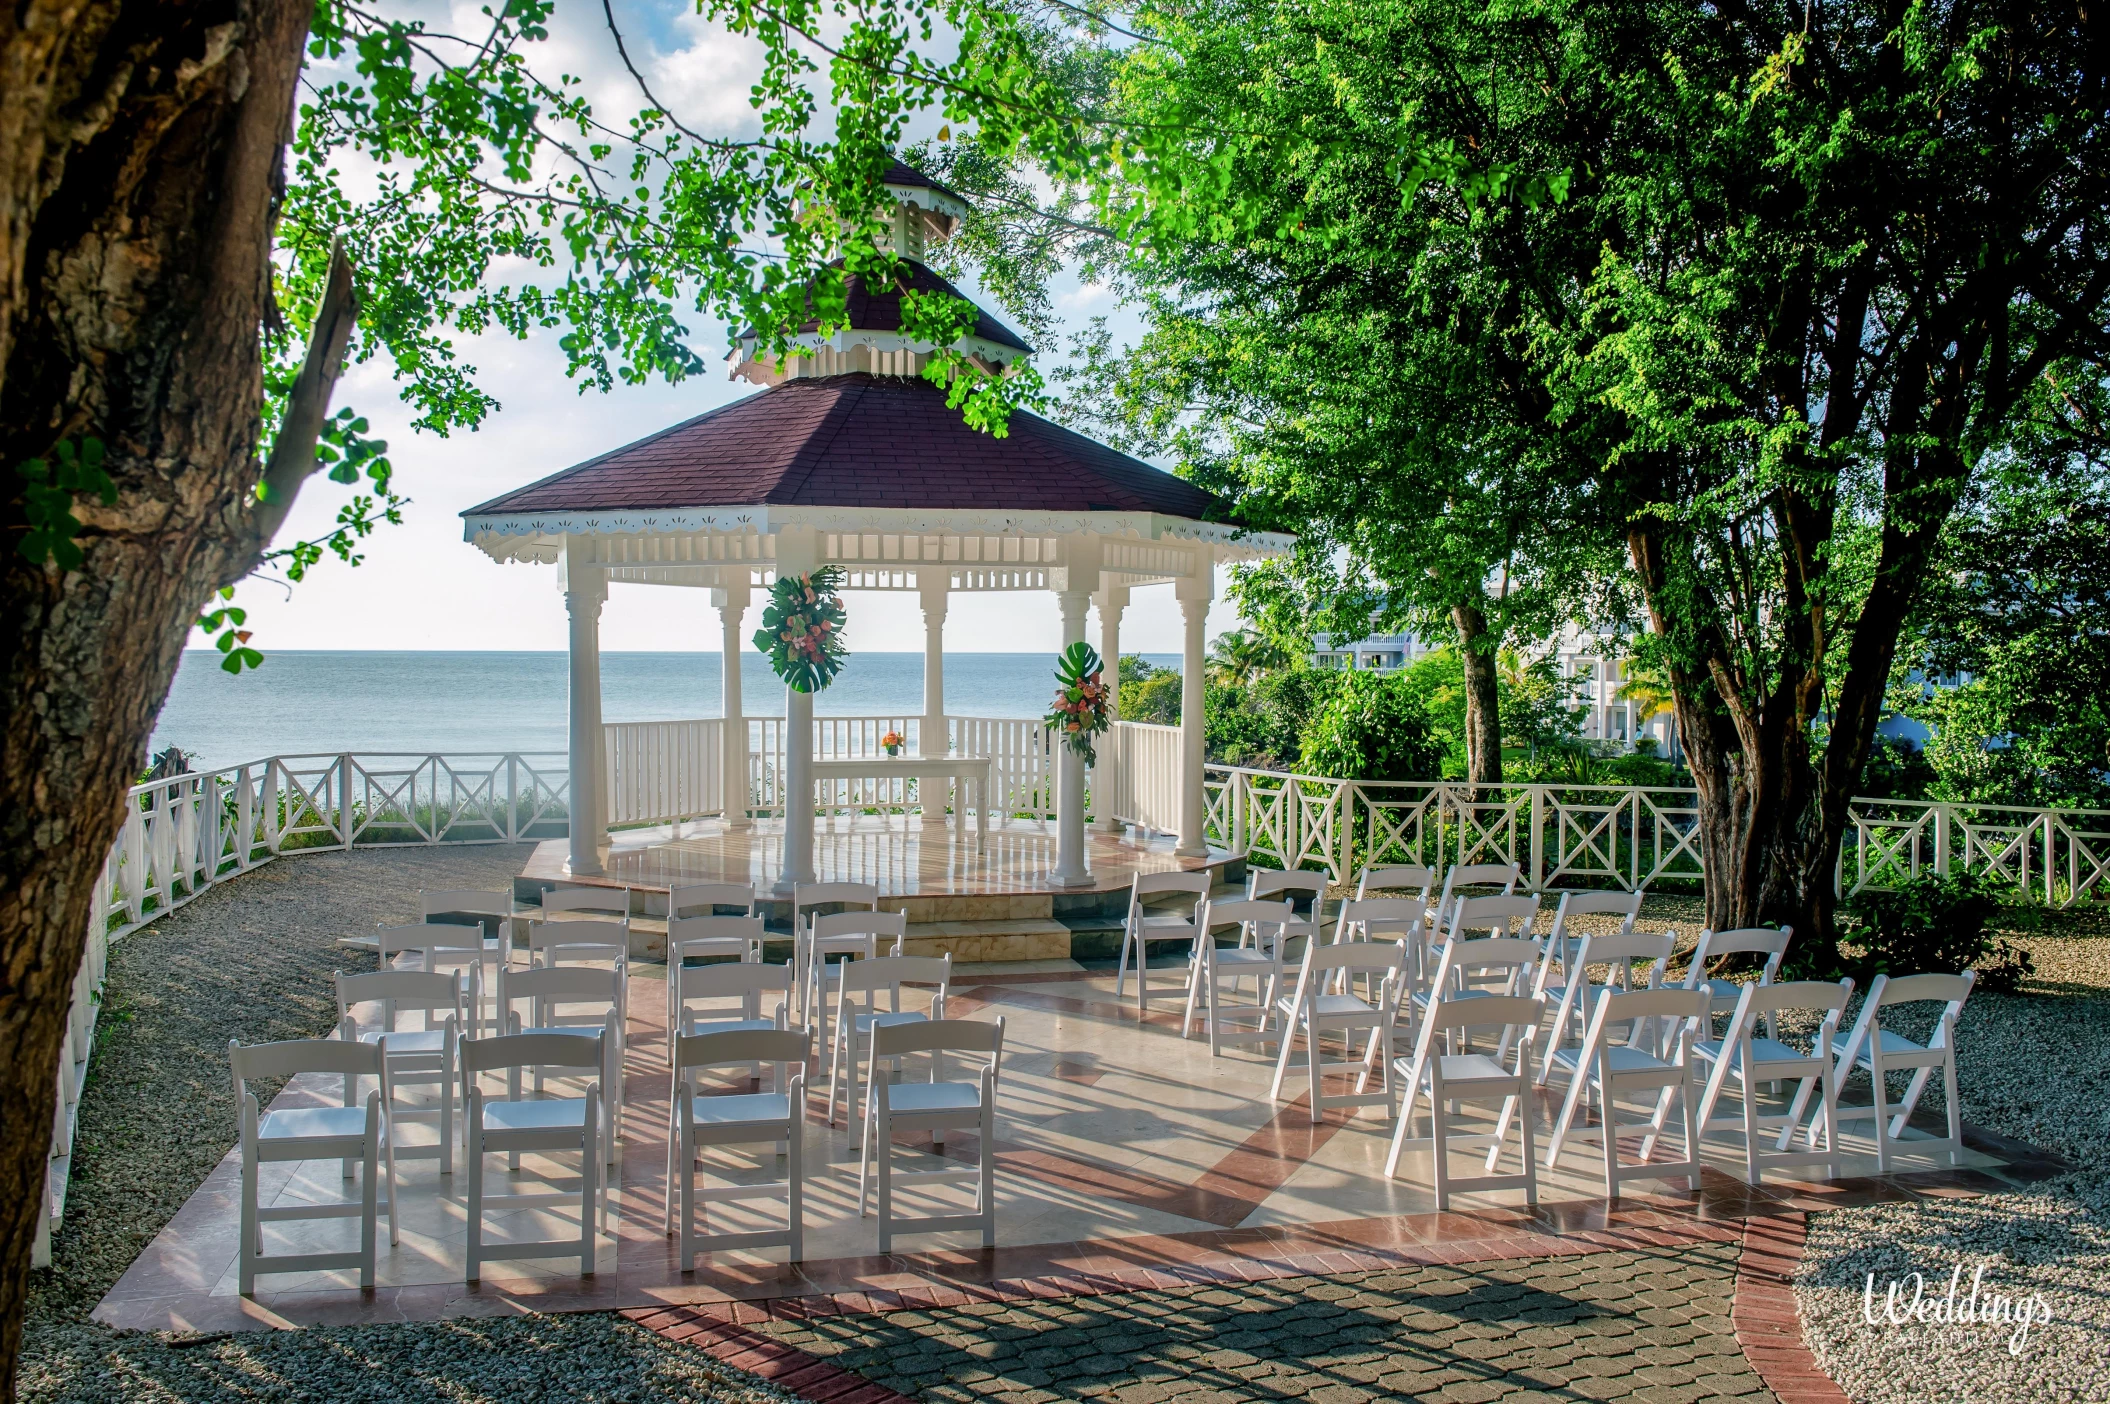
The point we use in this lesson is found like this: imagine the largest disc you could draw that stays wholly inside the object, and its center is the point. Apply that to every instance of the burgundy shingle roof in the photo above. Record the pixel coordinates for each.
(881, 311)
(860, 441)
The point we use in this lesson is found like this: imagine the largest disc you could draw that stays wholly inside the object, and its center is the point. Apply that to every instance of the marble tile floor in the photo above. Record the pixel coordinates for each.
(1120, 1146)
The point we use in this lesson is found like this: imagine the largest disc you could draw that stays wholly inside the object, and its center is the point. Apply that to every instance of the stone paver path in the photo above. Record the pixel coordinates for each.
(1652, 1326)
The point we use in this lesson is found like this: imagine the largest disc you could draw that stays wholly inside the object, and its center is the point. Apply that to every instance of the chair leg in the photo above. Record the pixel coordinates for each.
(369, 1194)
(1531, 1168)
(795, 1165)
(1314, 1065)
(1878, 1078)
(864, 1160)
(986, 1186)
(883, 1149)
(1128, 935)
(1440, 1134)
(1752, 1171)
(589, 1166)
(252, 1226)
(473, 1153)
(1289, 1038)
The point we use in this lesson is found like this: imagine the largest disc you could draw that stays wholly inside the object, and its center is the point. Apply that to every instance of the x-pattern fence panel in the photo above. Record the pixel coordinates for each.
(1631, 837)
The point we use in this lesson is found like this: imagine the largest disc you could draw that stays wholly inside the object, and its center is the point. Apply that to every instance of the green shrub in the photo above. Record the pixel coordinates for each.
(1371, 727)
(1156, 699)
(1935, 924)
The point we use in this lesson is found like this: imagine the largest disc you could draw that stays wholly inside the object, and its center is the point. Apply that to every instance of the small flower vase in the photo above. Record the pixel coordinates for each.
(893, 750)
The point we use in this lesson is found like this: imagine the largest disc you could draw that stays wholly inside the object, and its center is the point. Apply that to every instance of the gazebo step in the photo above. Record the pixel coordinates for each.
(1020, 938)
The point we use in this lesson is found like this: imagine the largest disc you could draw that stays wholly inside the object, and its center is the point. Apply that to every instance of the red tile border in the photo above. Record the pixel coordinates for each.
(712, 1330)
(1767, 1321)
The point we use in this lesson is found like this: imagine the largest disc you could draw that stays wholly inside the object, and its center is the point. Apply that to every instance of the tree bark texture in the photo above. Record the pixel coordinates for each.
(1483, 708)
(140, 148)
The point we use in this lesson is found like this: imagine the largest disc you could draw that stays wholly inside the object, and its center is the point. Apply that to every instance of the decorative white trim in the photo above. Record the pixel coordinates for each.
(885, 353)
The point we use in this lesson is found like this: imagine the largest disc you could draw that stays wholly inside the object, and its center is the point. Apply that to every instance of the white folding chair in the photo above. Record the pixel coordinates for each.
(1268, 926)
(696, 995)
(1570, 993)
(1449, 1078)
(1398, 920)
(775, 1116)
(1603, 1069)
(936, 1106)
(812, 899)
(479, 976)
(1747, 941)
(710, 899)
(414, 1056)
(1296, 888)
(403, 947)
(554, 994)
(1749, 1059)
(1324, 1005)
(1146, 924)
(709, 937)
(353, 1133)
(845, 936)
(1562, 943)
(1503, 918)
(512, 1124)
(1505, 876)
(857, 1013)
(585, 941)
(1878, 1051)
(487, 913)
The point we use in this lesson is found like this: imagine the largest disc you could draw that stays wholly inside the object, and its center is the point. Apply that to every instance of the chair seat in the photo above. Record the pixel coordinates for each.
(710, 1026)
(1463, 1069)
(1328, 1006)
(886, 1019)
(1621, 1058)
(1242, 955)
(1763, 1051)
(584, 1030)
(1423, 997)
(302, 1123)
(553, 1114)
(933, 1096)
(409, 1040)
(1894, 1045)
(1167, 925)
(740, 1109)
(1721, 989)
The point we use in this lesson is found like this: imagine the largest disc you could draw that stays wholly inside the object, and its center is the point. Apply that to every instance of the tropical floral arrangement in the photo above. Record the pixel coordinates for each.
(1079, 711)
(893, 741)
(802, 629)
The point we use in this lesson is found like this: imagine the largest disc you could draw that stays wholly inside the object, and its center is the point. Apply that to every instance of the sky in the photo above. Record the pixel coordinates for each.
(422, 586)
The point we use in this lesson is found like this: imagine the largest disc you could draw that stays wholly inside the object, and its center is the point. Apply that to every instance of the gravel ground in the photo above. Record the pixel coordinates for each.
(253, 960)
(2033, 1066)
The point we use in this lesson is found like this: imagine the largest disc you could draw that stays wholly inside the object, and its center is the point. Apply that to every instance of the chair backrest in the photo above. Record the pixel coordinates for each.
(552, 985)
(1911, 989)
(840, 933)
(1240, 910)
(293, 1056)
(1620, 950)
(486, 910)
(890, 973)
(1825, 998)
(467, 962)
(1503, 959)
(1379, 918)
(1353, 956)
(705, 898)
(1503, 875)
(531, 1050)
(429, 991)
(1266, 882)
(584, 939)
(1144, 885)
(1512, 916)
(1511, 1011)
(1676, 1003)
(732, 979)
(741, 1046)
(681, 930)
(940, 1036)
(1624, 905)
(613, 901)
(392, 941)
(1747, 940)
(1396, 877)
(808, 895)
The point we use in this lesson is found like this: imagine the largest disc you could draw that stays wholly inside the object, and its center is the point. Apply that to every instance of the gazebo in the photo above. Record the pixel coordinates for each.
(848, 457)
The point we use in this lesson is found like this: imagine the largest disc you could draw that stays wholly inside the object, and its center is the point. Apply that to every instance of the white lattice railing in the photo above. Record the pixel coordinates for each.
(1632, 837)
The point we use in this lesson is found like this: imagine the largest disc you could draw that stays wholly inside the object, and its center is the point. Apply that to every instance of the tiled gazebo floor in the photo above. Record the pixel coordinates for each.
(1125, 1155)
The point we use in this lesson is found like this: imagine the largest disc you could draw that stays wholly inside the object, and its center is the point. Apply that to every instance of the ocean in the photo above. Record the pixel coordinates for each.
(304, 702)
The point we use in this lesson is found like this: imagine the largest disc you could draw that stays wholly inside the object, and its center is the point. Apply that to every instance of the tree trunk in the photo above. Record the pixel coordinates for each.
(1483, 709)
(140, 147)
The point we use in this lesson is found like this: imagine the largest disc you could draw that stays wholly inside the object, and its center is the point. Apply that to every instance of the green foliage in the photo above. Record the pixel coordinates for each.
(1935, 924)
(1897, 769)
(1264, 724)
(1372, 727)
(48, 491)
(1079, 712)
(1154, 698)
(1132, 669)
(802, 629)
(225, 625)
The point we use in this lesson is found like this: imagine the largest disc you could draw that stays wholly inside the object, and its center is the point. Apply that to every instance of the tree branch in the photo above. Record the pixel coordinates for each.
(293, 459)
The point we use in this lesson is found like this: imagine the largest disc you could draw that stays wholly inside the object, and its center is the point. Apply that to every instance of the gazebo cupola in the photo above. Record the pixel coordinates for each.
(848, 457)
(924, 214)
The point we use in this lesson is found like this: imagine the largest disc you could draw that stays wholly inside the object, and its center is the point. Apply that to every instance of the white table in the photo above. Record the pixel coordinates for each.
(979, 771)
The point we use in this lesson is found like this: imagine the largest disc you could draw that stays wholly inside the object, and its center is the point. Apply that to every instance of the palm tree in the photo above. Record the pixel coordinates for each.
(1242, 655)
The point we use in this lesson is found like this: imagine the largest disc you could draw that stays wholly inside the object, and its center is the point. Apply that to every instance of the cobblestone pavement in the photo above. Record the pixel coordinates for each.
(1646, 1326)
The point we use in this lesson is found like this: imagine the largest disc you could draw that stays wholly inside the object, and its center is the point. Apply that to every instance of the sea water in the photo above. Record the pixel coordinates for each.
(304, 702)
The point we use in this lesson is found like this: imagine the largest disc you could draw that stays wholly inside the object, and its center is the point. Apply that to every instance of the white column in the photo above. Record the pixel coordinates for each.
(1111, 601)
(935, 585)
(1070, 870)
(585, 590)
(731, 602)
(1194, 593)
(797, 554)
